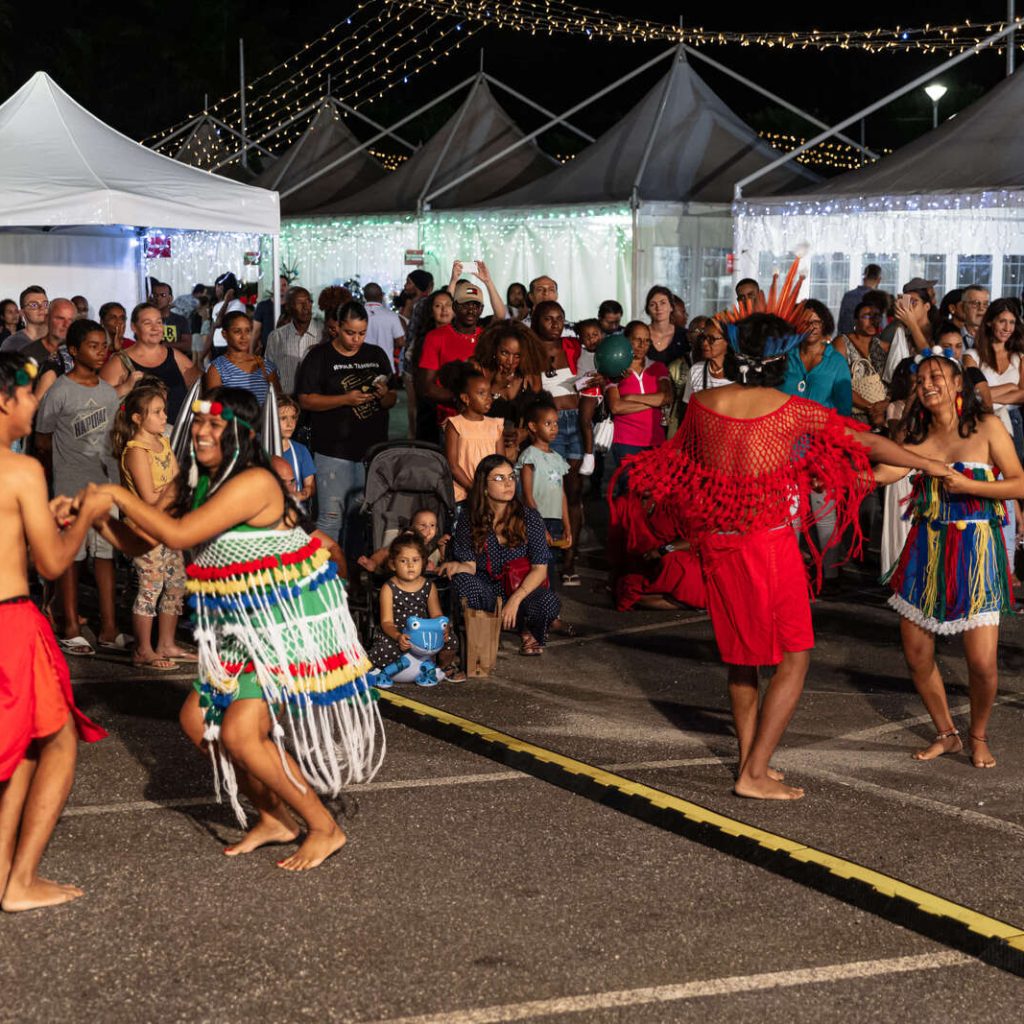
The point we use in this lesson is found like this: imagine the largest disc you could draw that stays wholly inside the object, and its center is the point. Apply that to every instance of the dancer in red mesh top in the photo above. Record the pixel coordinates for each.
(737, 475)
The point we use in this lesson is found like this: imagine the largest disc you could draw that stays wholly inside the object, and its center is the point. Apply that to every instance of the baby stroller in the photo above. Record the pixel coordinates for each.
(402, 477)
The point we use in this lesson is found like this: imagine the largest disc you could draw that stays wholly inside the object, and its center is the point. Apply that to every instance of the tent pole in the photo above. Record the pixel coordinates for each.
(238, 135)
(376, 138)
(241, 99)
(420, 204)
(275, 258)
(776, 98)
(656, 124)
(193, 124)
(634, 293)
(871, 108)
(373, 124)
(255, 143)
(1011, 42)
(550, 124)
(536, 106)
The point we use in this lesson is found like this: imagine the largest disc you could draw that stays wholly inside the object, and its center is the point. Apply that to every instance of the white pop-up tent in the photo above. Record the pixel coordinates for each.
(76, 196)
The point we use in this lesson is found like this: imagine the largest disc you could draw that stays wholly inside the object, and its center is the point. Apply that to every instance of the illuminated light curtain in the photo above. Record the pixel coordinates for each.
(588, 251)
(200, 257)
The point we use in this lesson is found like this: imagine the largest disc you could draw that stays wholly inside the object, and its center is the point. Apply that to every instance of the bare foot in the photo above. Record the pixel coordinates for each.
(944, 743)
(981, 755)
(766, 789)
(773, 773)
(39, 893)
(316, 848)
(267, 830)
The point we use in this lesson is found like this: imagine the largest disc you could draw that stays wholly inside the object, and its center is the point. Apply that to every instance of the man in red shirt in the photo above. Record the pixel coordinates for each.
(454, 341)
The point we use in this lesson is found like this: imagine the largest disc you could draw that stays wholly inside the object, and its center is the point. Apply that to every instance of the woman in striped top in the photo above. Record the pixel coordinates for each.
(238, 367)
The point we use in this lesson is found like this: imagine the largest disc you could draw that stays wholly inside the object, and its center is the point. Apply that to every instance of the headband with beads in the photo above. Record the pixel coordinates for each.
(27, 373)
(217, 409)
(935, 352)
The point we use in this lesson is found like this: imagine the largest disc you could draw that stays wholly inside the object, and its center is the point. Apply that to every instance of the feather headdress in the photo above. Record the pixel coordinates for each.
(781, 302)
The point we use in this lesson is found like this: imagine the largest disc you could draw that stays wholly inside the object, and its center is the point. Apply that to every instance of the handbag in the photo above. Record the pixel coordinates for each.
(864, 377)
(513, 572)
(604, 434)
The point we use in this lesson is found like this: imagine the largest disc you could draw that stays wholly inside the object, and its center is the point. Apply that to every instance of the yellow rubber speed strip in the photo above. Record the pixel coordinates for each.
(885, 885)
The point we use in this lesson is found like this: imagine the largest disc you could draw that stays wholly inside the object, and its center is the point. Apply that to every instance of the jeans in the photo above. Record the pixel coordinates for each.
(339, 490)
(618, 453)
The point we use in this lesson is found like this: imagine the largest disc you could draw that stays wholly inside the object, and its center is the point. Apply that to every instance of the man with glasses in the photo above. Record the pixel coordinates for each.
(973, 303)
(34, 311)
(60, 316)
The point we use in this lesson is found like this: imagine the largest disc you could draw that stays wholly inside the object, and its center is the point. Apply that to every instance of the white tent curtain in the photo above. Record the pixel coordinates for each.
(103, 268)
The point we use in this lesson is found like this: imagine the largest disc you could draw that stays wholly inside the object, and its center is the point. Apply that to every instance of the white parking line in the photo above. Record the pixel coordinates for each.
(735, 985)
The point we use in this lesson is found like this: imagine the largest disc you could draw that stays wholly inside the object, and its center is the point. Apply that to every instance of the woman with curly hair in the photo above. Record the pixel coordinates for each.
(500, 551)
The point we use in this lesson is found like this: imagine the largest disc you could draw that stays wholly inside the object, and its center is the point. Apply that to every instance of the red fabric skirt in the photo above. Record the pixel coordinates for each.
(35, 686)
(758, 595)
(676, 575)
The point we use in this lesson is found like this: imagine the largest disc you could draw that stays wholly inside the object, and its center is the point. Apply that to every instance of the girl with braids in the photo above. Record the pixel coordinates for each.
(953, 575)
(278, 652)
(741, 465)
(500, 551)
(149, 469)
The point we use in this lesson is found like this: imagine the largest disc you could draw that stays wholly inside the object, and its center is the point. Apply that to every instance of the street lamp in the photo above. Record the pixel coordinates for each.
(935, 93)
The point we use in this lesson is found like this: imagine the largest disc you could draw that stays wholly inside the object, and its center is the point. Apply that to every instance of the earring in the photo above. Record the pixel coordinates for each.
(193, 468)
(958, 404)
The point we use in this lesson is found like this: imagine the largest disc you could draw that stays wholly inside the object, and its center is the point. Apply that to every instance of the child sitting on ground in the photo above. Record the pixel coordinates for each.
(37, 740)
(541, 471)
(297, 454)
(409, 593)
(149, 469)
(424, 525)
(472, 434)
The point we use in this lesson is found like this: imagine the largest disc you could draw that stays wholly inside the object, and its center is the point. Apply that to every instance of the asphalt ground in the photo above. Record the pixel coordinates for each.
(469, 892)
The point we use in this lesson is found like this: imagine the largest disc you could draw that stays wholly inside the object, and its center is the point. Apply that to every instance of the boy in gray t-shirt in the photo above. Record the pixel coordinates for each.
(72, 439)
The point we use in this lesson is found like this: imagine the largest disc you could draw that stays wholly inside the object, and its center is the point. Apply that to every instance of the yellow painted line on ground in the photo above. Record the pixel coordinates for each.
(887, 886)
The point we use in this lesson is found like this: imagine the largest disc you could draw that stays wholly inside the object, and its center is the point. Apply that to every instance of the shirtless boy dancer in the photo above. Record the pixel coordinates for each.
(38, 717)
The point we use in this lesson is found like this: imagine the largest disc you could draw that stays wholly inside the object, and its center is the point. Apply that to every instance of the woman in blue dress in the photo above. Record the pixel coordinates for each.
(239, 367)
(953, 576)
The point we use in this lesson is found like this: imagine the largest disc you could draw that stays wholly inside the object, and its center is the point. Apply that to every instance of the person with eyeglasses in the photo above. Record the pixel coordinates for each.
(973, 303)
(500, 551)
(817, 371)
(35, 311)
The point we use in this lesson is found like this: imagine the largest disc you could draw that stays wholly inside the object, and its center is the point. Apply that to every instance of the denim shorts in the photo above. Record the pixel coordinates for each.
(569, 443)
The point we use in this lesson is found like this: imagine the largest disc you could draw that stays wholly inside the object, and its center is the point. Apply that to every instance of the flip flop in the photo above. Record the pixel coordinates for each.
(186, 655)
(156, 665)
(121, 642)
(570, 579)
(77, 646)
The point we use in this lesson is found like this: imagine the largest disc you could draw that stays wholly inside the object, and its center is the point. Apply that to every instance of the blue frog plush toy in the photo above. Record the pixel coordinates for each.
(416, 665)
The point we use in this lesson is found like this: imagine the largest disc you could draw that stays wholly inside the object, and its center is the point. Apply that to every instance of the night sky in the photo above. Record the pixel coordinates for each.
(144, 66)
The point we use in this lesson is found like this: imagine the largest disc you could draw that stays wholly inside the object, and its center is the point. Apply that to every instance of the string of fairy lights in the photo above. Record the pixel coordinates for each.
(380, 44)
(838, 156)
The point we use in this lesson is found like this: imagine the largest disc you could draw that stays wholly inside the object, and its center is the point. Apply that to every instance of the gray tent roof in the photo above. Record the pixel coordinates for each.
(478, 130)
(980, 148)
(701, 148)
(325, 139)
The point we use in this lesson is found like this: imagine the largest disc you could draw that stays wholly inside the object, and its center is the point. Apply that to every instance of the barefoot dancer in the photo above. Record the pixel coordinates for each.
(743, 459)
(953, 575)
(278, 653)
(38, 717)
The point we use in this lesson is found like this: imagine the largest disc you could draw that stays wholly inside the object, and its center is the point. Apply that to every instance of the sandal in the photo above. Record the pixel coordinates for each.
(989, 762)
(563, 628)
(121, 642)
(455, 676)
(529, 648)
(570, 579)
(156, 664)
(77, 646)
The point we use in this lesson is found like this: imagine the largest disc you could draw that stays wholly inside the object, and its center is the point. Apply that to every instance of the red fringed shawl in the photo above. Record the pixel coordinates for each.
(724, 475)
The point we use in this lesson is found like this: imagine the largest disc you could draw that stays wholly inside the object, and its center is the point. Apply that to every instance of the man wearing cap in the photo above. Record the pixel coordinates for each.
(973, 303)
(450, 343)
(851, 300)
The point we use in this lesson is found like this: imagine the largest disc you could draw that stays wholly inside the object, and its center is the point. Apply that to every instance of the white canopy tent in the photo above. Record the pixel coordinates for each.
(948, 207)
(76, 196)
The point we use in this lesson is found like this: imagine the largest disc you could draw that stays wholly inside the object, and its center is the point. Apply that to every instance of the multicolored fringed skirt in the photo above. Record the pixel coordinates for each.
(953, 574)
(272, 622)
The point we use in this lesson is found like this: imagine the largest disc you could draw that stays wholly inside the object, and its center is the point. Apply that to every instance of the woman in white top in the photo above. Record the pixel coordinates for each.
(997, 353)
(709, 370)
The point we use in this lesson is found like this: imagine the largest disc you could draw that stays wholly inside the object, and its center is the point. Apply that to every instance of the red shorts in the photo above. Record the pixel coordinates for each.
(35, 687)
(758, 595)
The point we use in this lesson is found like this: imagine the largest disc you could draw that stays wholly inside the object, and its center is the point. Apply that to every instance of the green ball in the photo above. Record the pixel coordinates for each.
(613, 356)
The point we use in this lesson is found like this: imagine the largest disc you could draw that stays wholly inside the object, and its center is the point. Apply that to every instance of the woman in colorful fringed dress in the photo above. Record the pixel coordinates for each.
(738, 471)
(278, 653)
(953, 576)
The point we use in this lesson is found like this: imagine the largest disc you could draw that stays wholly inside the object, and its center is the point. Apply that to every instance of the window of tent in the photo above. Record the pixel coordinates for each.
(830, 278)
(1013, 277)
(673, 267)
(890, 264)
(976, 269)
(930, 266)
(769, 263)
(715, 285)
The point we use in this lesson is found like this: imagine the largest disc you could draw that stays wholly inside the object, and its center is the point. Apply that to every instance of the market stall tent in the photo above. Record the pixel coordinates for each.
(948, 207)
(76, 196)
